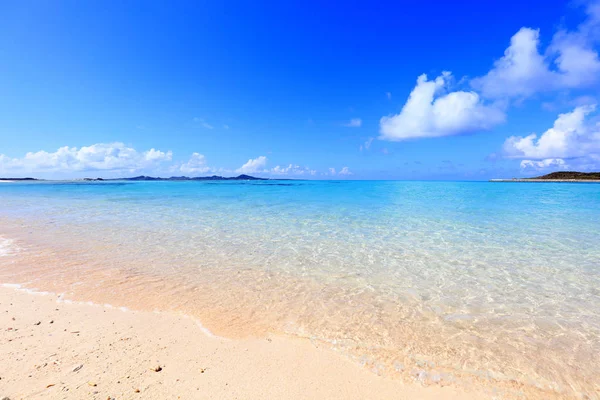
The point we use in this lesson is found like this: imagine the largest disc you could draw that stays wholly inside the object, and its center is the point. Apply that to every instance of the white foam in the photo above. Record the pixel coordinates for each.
(11, 285)
(61, 299)
(20, 288)
(7, 247)
(205, 330)
(202, 328)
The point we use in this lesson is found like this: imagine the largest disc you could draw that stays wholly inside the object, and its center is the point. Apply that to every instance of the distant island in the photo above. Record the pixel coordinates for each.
(571, 175)
(152, 178)
(559, 176)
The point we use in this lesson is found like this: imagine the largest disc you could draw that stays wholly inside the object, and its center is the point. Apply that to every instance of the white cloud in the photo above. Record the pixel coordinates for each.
(549, 163)
(388, 95)
(354, 123)
(196, 164)
(522, 70)
(116, 159)
(292, 169)
(332, 172)
(97, 157)
(572, 142)
(571, 136)
(157, 155)
(258, 164)
(253, 165)
(202, 122)
(367, 144)
(576, 57)
(225, 126)
(431, 111)
(570, 61)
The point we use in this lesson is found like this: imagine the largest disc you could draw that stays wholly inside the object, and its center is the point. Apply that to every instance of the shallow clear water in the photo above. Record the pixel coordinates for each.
(440, 280)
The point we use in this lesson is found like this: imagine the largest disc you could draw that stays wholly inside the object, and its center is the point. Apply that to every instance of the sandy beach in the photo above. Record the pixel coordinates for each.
(56, 349)
(300, 201)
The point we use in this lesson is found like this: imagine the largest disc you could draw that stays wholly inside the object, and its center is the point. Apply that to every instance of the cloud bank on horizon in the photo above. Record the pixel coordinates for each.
(117, 158)
(97, 157)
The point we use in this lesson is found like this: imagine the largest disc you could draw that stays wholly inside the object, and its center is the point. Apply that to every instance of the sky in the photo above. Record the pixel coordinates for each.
(320, 90)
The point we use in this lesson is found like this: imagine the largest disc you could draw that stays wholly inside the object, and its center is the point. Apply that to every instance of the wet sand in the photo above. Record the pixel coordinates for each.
(51, 348)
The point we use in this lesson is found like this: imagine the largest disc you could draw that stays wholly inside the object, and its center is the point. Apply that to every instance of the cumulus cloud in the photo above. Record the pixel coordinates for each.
(354, 123)
(432, 111)
(570, 61)
(97, 157)
(253, 165)
(574, 136)
(196, 164)
(157, 155)
(257, 165)
(115, 159)
(549, 163)
(292, 169)
(345, 171)
(522, 70)
(570, 136)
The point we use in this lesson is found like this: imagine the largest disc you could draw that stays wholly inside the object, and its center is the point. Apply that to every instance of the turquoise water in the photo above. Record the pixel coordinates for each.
(499, 280)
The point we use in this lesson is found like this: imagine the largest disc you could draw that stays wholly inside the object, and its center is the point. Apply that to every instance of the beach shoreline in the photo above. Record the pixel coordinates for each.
(52, 348)
(42, 276)
(412, 310)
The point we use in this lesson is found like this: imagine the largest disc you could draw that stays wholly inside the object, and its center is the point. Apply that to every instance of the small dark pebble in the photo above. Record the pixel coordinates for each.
(38, 323)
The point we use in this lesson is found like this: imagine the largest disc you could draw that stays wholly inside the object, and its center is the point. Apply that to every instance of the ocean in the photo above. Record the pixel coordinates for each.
(443, 282)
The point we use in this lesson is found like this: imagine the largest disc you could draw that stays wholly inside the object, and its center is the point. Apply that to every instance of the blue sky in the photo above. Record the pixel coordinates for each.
(356, 90)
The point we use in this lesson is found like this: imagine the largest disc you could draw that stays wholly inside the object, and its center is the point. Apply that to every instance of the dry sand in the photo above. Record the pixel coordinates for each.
(61, 350)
